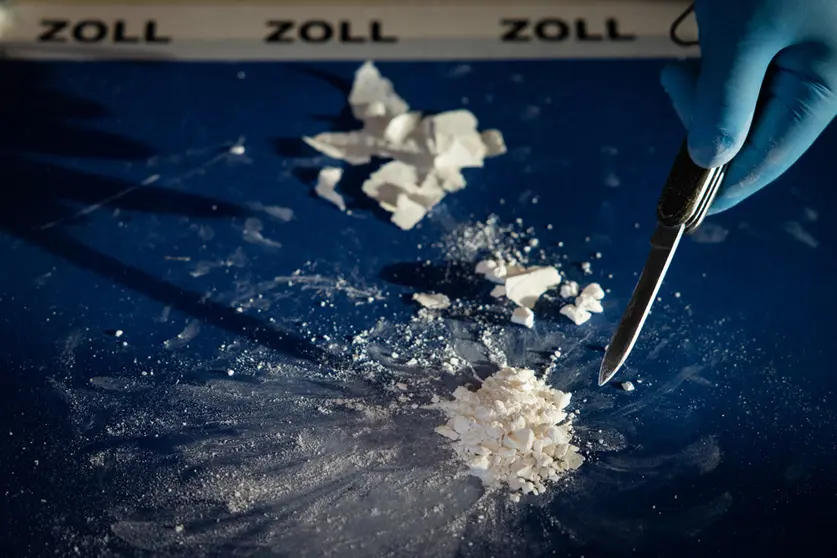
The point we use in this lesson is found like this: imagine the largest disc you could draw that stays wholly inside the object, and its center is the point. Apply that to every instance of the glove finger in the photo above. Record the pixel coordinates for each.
(794, 113)
(679, 80)
(735, 59)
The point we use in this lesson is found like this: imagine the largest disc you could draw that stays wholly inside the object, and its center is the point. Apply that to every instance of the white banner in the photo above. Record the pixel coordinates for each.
(346, 31)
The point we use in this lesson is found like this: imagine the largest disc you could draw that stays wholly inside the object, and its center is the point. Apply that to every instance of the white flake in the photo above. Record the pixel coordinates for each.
(588, 303)
(432, 301)
(594, 290)
(355, 148)
(326, 185)
(526, 288)
(494, 143)
(402, 126)
(428, 152)
(407, 213)
(523, 316)
(374, 96)
(447, 432)
(569, 289)
(499, 291)
(492, 270)
(577, 315)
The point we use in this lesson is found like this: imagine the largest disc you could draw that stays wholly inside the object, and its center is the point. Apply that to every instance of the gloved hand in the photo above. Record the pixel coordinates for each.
(763, 91)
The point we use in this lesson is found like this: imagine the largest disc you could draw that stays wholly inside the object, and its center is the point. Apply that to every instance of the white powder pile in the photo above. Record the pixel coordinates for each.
(512, 431)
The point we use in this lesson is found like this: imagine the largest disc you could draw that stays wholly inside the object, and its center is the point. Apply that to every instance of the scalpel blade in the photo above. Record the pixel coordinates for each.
(664, 243)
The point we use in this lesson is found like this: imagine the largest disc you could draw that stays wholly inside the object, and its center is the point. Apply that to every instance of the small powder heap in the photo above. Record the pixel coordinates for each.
(512, 431)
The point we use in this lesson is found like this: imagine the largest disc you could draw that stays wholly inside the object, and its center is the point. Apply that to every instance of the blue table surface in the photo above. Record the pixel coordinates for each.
(111, 443)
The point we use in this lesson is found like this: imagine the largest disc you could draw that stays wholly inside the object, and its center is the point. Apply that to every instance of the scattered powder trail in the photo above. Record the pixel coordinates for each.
(340, 460)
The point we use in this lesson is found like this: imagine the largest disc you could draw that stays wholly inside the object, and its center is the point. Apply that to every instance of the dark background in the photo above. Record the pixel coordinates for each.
(754, 319)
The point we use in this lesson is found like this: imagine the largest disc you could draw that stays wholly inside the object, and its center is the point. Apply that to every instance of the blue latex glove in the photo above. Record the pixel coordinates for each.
(764, 90)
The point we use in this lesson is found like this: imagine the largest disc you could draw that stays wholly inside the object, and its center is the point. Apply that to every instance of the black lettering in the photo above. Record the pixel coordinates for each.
(120, 33)
(52, 28)
(552, 30)
(320, 31)
(346, 34)
(90, 31)
(377, 33)
(151, 36)
(323, 35)
(614, 34)
(513, 30)
(280, 31)
(582, 34)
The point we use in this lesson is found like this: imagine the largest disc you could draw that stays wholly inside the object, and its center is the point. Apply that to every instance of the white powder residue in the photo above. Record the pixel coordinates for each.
(460, 70)
(513, 431)
(798, 232)
(428, 152)
(710, 233)
(490, 239)
(252, 233)
(192, 329)
(611, 180)
(284, 214)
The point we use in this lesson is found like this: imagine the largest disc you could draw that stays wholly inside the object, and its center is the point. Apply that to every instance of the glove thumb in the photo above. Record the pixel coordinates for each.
(679, 80)
(732, 70)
